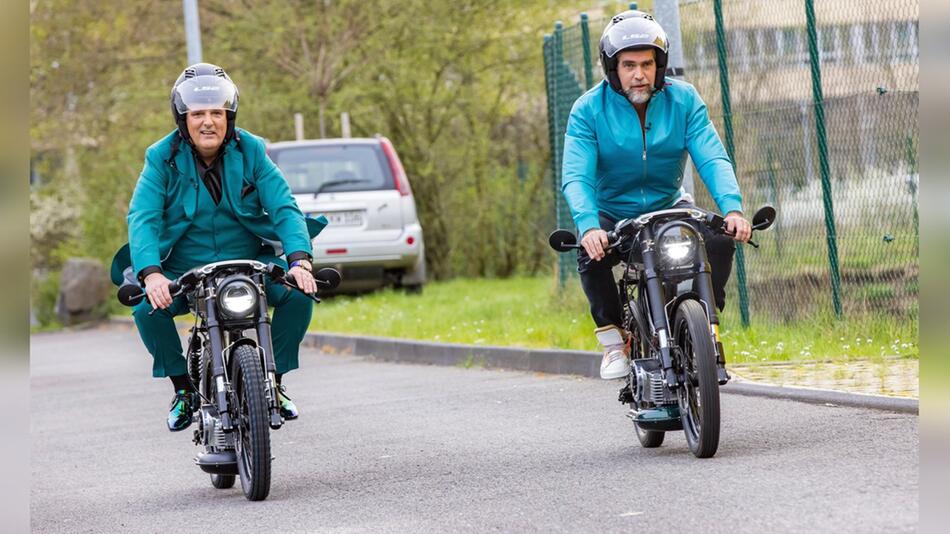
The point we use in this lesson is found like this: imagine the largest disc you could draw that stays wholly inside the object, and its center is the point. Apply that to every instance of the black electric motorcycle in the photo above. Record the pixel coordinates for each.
(234, 373)
(666, 289)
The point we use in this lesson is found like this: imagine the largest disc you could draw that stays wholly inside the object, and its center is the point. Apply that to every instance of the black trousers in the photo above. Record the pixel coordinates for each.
(599, 285)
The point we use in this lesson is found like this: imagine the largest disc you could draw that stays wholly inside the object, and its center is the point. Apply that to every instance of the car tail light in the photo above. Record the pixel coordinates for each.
(410, 240)
(395, 166)
(336, 251)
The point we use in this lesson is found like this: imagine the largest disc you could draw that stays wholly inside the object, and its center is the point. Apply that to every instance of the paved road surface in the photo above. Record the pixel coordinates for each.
(384, 447)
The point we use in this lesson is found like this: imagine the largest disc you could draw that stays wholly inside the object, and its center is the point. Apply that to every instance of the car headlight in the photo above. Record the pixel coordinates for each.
(677, 245)
(238, 299)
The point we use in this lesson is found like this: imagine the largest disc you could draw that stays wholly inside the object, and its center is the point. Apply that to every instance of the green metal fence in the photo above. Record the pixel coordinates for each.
(816, 102)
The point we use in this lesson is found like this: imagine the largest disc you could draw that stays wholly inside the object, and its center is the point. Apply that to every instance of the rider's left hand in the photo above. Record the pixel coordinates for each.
(304, 279)
(740, 228)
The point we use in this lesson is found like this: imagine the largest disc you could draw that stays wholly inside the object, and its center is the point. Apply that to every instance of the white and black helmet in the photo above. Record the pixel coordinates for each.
(203, 86)
(633, 30)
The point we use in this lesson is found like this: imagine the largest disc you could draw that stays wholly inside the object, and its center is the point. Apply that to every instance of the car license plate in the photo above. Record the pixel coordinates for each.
(345, 218)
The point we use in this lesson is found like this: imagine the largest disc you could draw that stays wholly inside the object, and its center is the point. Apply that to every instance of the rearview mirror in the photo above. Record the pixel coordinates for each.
(562, 240)
(763, 218)
(328, 277)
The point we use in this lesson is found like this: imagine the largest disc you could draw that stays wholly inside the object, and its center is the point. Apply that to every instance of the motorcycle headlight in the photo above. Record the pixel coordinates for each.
(677, 245)
(238, 299)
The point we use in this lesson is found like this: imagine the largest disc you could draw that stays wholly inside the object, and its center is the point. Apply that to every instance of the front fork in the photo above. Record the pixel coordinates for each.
(657, 300)
(265, 341)
(215, 335)
(704, 288)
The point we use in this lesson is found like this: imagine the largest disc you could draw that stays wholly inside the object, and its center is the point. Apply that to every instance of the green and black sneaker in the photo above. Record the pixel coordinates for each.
(183, 406)
(288, 410)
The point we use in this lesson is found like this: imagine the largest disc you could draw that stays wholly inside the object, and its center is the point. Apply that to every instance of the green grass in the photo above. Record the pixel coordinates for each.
(819, 339)
(525, 312)
(530, 312)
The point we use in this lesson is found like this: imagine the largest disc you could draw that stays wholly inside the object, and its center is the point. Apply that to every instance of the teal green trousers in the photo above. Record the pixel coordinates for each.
(292, 313)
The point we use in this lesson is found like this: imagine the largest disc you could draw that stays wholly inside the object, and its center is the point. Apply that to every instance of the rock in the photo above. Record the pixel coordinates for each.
(83, 290)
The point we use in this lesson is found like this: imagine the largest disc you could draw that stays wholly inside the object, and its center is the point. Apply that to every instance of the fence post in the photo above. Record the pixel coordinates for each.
(563, 214)
(818, 98)
(730, 149)
(913, 184)
(588, 63)
(549, 80)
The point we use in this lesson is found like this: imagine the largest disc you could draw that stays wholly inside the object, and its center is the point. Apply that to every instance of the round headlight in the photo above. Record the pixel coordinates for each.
(677, 245)
(238, 298)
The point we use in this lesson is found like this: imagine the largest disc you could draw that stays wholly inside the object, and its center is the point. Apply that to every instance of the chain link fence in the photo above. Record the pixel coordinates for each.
(816, 101)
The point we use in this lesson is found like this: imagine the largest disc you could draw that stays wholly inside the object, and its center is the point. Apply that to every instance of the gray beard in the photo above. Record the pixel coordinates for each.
(638, 97)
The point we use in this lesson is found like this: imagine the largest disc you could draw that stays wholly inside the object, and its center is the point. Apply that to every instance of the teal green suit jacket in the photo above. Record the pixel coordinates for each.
(166, 197)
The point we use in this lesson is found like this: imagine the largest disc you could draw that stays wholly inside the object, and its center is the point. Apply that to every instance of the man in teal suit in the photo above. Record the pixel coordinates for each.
(208, 192)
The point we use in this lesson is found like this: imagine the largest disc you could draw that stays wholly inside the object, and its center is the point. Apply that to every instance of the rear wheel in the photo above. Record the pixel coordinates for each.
(253, 434)
(222, 481)
(699, 392)
(650, 439)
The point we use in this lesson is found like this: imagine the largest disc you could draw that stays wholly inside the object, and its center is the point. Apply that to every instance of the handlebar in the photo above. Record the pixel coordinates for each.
(132, 294)
(564, 240)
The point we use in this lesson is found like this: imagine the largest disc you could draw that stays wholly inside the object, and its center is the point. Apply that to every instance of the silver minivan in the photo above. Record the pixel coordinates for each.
(373, 237)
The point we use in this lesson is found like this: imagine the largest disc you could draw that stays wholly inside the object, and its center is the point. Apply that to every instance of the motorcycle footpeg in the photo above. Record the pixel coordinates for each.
(723, 376)
(276, 421)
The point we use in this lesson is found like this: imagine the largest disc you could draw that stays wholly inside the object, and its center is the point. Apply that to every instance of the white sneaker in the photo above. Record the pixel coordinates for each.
(616, 362)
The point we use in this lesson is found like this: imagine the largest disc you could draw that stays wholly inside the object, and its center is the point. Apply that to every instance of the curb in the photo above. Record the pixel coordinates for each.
(563, 362)
(572, 362)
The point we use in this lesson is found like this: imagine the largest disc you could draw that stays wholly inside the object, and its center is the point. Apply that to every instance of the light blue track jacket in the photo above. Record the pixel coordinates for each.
(610, 166)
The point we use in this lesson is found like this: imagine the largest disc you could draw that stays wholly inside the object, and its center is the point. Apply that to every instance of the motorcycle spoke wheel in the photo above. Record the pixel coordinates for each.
(699, 392)
(251, 424)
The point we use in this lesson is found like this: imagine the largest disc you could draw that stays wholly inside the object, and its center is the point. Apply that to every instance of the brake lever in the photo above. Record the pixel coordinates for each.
(312, 296)
(749, 242)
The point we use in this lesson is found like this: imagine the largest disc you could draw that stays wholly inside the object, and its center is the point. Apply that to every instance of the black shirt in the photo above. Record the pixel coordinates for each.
(211, 176)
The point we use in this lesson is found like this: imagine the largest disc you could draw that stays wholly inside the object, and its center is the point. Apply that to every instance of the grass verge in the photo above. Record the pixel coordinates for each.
(530, 312)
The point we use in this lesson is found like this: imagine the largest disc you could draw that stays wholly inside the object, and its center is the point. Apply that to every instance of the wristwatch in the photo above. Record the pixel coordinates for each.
(302, 263)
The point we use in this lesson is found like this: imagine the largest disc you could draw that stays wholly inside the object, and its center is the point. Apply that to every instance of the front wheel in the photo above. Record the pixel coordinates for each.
(699, 392)
(253, 434)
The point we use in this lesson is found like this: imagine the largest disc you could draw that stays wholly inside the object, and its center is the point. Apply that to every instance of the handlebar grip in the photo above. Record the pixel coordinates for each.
(290, 281)
(132, 294)
(320, 282)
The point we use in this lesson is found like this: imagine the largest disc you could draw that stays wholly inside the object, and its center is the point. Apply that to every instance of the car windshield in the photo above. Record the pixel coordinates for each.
(333, 168)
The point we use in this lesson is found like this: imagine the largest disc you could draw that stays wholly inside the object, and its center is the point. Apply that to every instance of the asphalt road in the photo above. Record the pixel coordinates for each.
(384, 447)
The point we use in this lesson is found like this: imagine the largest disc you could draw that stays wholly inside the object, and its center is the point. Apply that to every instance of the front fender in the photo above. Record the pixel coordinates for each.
(674, 305)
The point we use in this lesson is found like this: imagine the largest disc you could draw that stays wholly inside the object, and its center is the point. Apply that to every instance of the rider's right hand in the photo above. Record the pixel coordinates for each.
(156, 288)
(594, 242)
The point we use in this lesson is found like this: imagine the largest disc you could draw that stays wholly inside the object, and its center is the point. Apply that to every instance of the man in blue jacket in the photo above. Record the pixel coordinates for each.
(208, 192)
(624, 153)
